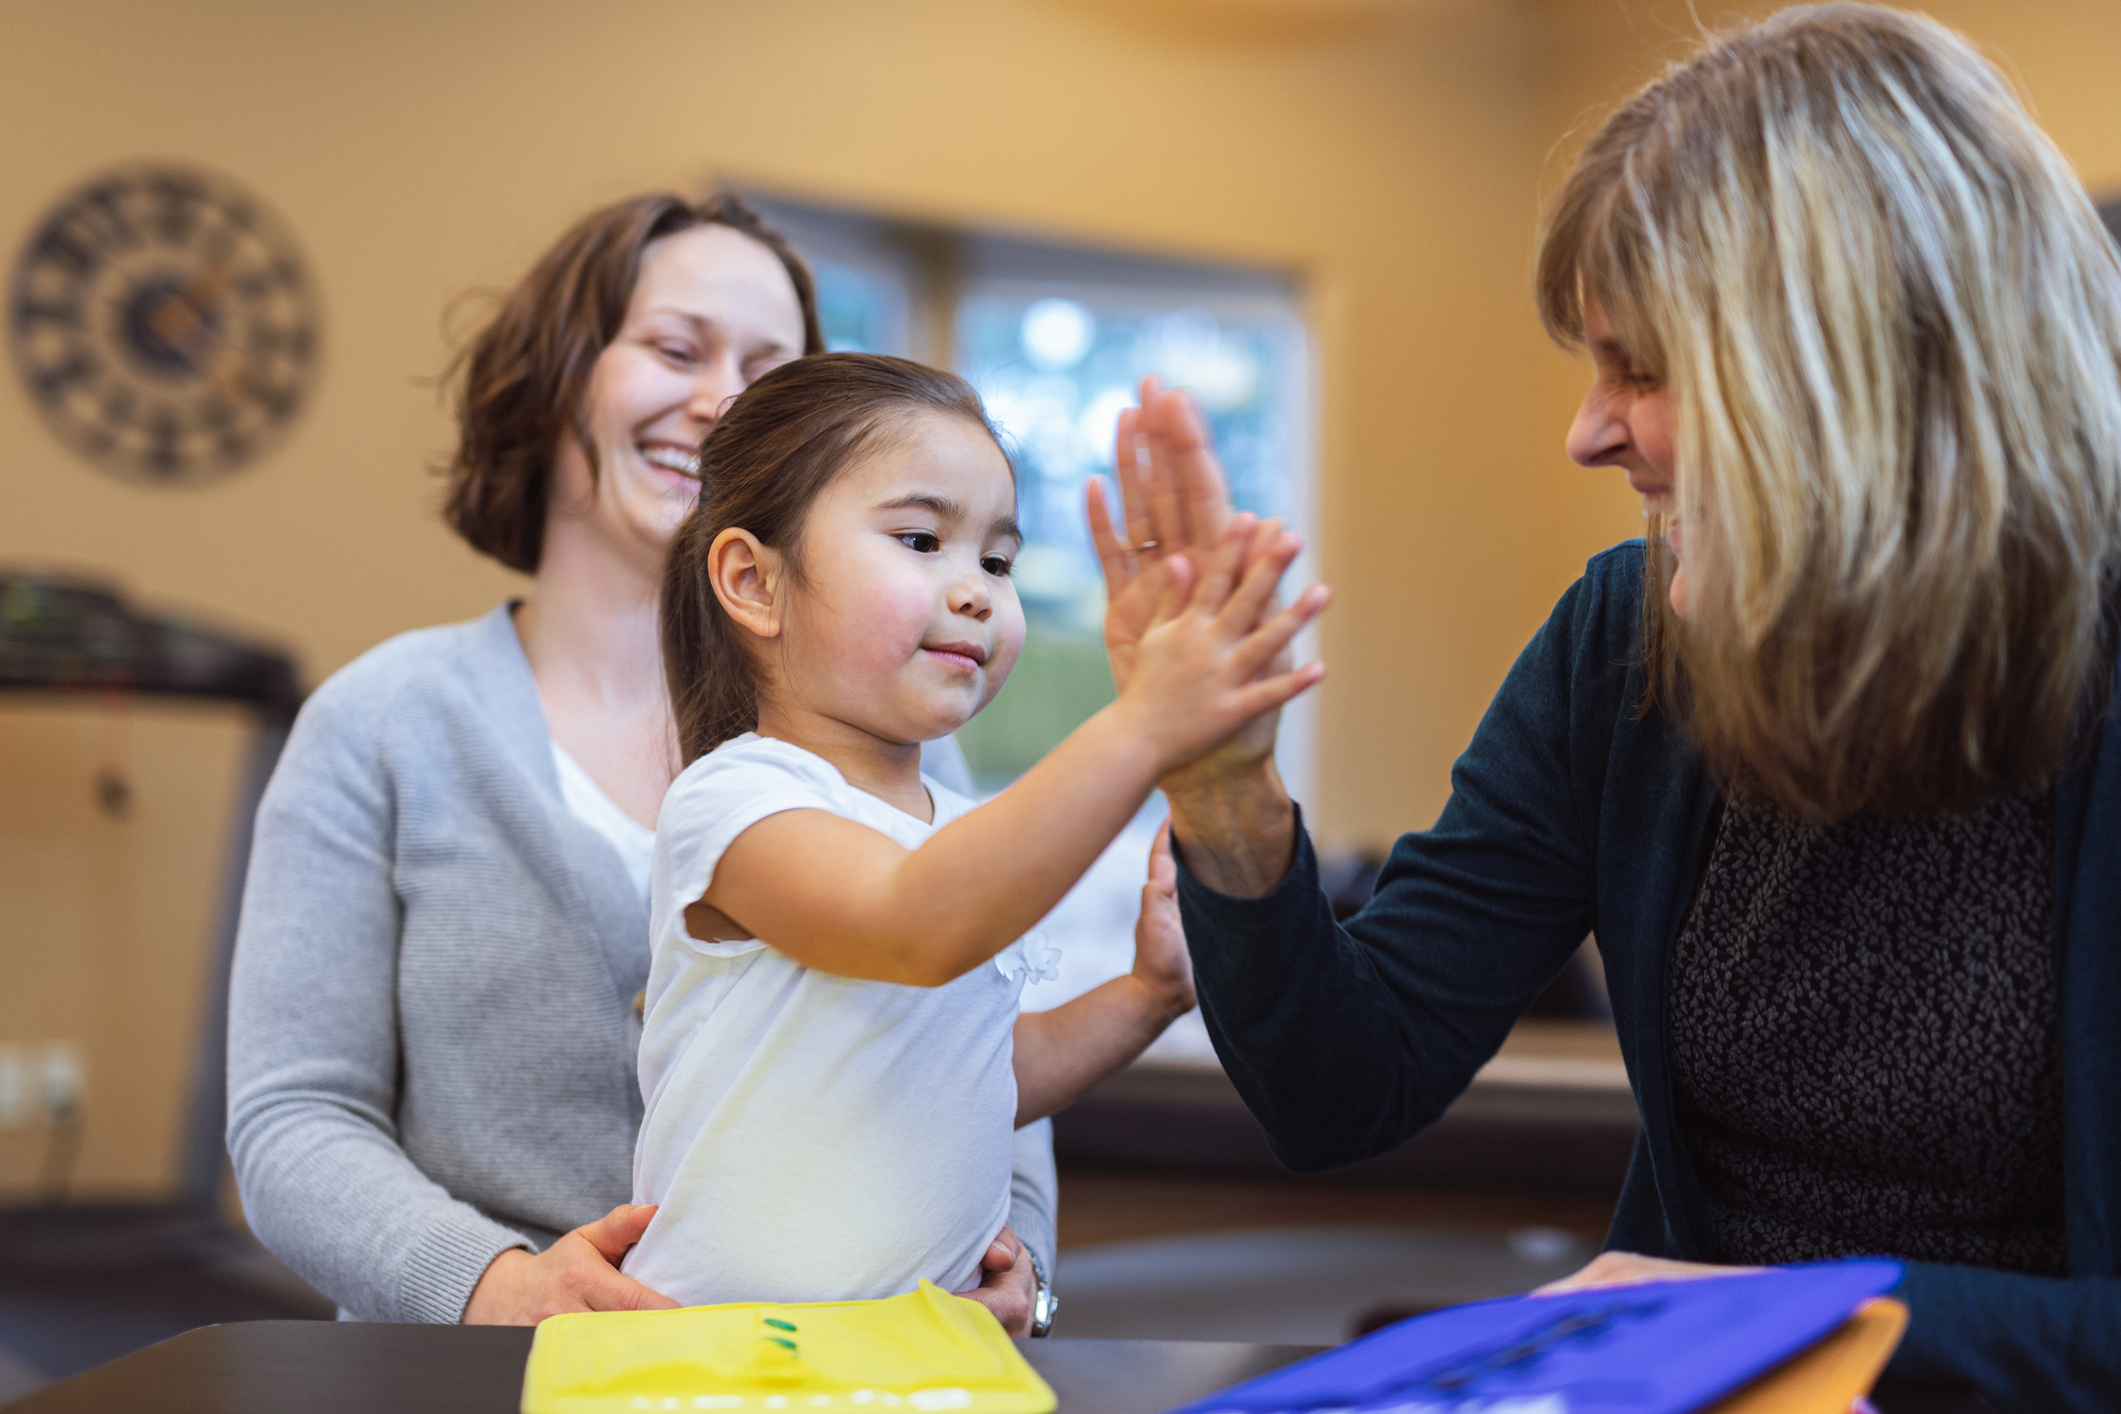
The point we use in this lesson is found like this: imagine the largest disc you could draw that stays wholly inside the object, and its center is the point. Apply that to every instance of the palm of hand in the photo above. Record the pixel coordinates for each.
(1174, 495)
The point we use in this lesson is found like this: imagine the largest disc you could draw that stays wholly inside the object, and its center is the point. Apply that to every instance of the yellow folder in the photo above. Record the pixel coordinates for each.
(922, 1352)
(1830, 1376)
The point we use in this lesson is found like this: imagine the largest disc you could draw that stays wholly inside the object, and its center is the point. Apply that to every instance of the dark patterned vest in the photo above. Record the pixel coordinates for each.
(1864, 1037)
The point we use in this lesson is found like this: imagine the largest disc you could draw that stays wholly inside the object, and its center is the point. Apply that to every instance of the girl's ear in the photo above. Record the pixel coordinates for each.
(748, 580)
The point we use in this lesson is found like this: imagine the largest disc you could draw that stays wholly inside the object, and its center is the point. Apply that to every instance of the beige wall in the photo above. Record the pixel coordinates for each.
(1392, 151)
(420, 150)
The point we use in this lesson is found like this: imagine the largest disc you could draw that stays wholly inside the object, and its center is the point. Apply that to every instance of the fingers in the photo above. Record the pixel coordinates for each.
(1271, 539)
(1266, 642)
(1252, 555)
(1222, 563)
(577, 1273)
(1167, 525)
(1110, 543)
(623, 1293)
(1161, 962)
(1011, 1308)
(1267, 557)
(1006, 1283)
(1127, 449)
(1601, 1270)
(1002, 1253)
(1161, 501)
(1184, 457)
(602, 1287)
(1632, 1269)
(618, 1229)
(1277, 691)
(1163, 868)
(1130, 467)
(1177, 590)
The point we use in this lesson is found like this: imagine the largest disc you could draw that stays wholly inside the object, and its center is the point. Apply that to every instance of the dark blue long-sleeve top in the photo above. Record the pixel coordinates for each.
(1573, 811)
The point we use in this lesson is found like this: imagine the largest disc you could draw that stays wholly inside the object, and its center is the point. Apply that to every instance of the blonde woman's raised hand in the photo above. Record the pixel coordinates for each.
(1174, 501)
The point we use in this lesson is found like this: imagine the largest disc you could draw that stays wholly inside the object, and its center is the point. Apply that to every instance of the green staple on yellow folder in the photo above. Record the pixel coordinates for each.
(925, 1351)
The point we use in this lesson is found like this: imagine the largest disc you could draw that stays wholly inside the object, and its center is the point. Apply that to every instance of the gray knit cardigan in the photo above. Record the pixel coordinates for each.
(432, 1038)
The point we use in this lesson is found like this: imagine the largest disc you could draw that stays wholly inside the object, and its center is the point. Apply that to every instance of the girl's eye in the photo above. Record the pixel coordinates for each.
(997, 565)
(676, 353)
(925, 542)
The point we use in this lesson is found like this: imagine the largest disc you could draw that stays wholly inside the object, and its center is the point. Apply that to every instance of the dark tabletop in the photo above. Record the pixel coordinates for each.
(321, 1367)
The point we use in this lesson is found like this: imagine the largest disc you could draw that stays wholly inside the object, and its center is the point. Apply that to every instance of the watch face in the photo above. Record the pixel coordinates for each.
(1044, 1307)
(163, 323)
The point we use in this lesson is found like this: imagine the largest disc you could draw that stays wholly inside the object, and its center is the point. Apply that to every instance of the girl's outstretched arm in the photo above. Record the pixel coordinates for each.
(1061, 1053)
(843, 898)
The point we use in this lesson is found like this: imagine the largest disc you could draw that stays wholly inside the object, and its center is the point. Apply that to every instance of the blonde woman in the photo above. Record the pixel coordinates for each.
(1825, 764)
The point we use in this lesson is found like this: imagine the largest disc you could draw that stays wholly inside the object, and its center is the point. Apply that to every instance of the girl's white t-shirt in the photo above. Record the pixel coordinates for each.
(812, 1137)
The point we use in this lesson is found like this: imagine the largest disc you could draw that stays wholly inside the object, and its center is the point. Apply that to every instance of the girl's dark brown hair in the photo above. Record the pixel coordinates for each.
(776, 449)
(520, 381)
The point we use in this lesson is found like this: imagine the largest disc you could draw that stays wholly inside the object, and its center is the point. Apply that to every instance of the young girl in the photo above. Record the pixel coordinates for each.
(833, 1061)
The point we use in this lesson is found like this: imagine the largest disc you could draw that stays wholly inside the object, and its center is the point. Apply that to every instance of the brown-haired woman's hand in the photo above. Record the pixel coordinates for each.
(1007, 1284)
(580, 1272)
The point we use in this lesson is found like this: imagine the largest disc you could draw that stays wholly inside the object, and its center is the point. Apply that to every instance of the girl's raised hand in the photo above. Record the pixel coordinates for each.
(1206, 666)
(1173, 502)
(1161, 962)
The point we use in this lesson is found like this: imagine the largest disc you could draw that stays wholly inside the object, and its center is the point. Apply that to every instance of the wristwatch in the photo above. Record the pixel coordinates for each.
(1044, 1304)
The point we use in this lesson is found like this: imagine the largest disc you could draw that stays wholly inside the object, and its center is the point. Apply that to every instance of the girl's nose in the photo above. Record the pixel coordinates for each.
(970, 598)
(1599, 435)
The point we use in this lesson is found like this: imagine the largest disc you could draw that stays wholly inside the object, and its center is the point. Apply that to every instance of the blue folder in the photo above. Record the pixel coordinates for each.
(1660, 1348)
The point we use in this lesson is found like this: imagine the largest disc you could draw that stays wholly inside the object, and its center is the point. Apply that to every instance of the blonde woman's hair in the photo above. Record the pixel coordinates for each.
(1888, 319)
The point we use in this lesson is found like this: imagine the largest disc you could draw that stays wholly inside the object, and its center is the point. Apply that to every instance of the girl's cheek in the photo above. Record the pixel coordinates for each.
(889, 621)
(1008, 643)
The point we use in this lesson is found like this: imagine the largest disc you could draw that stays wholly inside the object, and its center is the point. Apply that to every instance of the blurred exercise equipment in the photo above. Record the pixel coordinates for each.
(83, 1283)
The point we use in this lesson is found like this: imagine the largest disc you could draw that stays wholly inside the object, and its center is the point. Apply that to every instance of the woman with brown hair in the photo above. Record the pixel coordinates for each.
(1826, 764)
(434, 1017)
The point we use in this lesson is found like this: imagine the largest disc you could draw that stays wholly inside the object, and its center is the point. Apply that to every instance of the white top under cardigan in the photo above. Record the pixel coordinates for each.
(811, 1137)
(632, 841)
(431, 1027)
